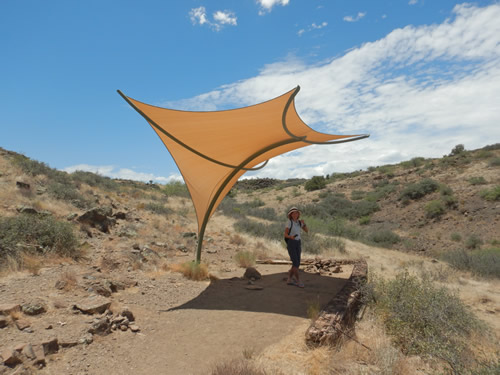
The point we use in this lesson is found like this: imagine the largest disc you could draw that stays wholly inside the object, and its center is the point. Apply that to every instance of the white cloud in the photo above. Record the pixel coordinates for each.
(419, 91)
(313, 26)
(355, 19)
(122, 173)
(413, 2)
(267, 5)
(220, 18)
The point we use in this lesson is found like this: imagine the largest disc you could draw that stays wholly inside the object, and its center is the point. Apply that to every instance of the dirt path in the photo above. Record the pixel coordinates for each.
(186, 326)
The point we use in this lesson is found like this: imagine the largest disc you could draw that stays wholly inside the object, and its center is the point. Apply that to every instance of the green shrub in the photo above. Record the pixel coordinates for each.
(384, 238)
(456, 237)
(158, 208)
(413, 163)
(457, 150)
(68, 192)
(315, 183)
(364, 220)
(491, 194)
(356, 195)
(473, 242)
(230, 207)
(176, 189)
(484, 263)
(37, 234)
(312, 243)
(334, 206)
(425, 319)
(495, 162)
(93, 179)
(340, 228)
(434, 209)
(419, 190)
(477, 180)
(270, 231)
(484, 154)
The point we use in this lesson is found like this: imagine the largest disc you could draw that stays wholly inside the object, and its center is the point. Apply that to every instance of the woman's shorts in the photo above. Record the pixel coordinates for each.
(294, 249)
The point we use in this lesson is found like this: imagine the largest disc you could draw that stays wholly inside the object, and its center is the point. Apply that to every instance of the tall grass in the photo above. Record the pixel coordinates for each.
(484, 262)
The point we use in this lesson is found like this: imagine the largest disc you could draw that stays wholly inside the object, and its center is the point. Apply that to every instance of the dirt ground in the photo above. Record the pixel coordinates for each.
(186, 327)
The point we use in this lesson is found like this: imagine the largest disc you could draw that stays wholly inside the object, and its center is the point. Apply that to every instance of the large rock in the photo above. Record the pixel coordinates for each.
(100, 218)
(93, 305)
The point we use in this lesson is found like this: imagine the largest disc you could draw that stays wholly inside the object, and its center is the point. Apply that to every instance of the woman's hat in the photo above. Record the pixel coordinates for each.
(292, 210)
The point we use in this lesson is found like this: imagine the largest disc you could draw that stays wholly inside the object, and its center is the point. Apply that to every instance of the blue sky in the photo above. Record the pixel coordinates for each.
(420, 76)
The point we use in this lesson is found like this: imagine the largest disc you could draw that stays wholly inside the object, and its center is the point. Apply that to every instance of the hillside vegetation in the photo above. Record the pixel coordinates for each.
(443, 211)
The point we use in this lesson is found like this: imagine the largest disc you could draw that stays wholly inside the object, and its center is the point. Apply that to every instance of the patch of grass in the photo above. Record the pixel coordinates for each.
(314, 244)
(158, 208)
(95, 180)
(192, 270)
(426, 320)
(484, 262)
(313, 309)
(477, 180)
(266, 213)
(365, 220)
(270, 231)
(413, 163)
(332, 206)
(68, 192)
(491, 194)
(495, 162)
(230, 207)
(237, 367)
(245, 259)
(356, 195)
(456, 237)
(237, 240)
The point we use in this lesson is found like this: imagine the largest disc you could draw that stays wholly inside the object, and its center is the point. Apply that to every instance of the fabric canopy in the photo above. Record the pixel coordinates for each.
(213, 149)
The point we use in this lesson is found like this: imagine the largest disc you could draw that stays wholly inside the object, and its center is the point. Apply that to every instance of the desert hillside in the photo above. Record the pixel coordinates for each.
(96, 274)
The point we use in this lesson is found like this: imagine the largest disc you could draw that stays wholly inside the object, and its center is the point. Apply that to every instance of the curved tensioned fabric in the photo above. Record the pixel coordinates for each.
(213, 149)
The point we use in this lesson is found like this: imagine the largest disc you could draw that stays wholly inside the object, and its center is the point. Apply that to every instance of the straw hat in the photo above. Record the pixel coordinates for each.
(292, 210)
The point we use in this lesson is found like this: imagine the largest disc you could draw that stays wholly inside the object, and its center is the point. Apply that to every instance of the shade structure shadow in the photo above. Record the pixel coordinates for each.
(275, 296)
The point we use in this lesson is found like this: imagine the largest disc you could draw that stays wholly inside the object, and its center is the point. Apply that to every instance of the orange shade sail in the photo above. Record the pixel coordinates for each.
(213, 149)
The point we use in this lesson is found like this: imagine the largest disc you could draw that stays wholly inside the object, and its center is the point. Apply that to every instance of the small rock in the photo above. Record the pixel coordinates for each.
(33, 308)
(3, 322)
(22, 324)
(9, 308)
(134, 328)
(10, 357)
(50, 346)
(92, 306)
(128, 314)
(251, 272)
(253, 287)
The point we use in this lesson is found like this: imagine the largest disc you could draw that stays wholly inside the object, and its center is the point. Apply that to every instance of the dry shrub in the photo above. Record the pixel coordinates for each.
(192, 270)
(32, 263)
(313, 309)
(236, 239)
(245, 259)
(237, 367)
(68, 280)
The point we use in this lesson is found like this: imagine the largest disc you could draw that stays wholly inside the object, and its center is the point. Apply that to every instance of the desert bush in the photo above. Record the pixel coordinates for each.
(315, 183)
(236, 239)
(314, 244)
(36, 234)
(473, 242)
(31, 167)
(419, 190)
(68, 193)
(176, 189)
(96, 180)
(230, 207)
(387, 170)
(364, 220)
(382, 190)
(158, 208)
(332, 206)
(245, 258)
(434, 209)
(484, 262)
(426, 320)
(491, 194)
(413, 163)
(484, 154)
(384, 238)
(456, 237)
(341, 228)
(356, 195)
(270, 231)
(477, 180)
(267, 213)
(495, 162)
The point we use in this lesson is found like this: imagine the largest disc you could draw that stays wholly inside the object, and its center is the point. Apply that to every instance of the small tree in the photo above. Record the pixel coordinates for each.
(315, 183)
(457, 150)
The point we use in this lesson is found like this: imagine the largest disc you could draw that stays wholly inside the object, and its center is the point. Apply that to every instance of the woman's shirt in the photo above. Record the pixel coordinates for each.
(295, 230)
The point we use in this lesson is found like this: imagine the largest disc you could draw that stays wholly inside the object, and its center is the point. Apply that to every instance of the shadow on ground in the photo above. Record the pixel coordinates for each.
(275, 296)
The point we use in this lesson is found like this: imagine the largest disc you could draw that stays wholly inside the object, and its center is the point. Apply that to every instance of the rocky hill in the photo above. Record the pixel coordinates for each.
(88, 265)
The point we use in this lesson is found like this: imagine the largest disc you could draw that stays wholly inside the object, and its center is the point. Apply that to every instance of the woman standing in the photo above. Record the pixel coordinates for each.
(293, 244)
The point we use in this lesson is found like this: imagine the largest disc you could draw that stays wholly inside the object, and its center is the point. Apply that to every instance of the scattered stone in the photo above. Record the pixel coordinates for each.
(26, 210)
(50, 346)
(22, 324)
(7, 309)
(136, 246)
(39, 353)
(72, 216)
(101, 326)
(120, 215)
(86, 339)
(251, 272)
(3, 322)
(134, 328)
(10, 357)
(28, 351)
(33, 308)
(189, 234)
(96, 305)
(182, 248)
(128, 314)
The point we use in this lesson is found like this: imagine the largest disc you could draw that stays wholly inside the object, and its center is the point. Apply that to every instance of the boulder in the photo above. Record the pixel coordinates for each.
(100, 218)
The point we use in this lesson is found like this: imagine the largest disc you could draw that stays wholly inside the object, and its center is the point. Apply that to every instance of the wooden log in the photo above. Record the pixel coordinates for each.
(339, 314)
